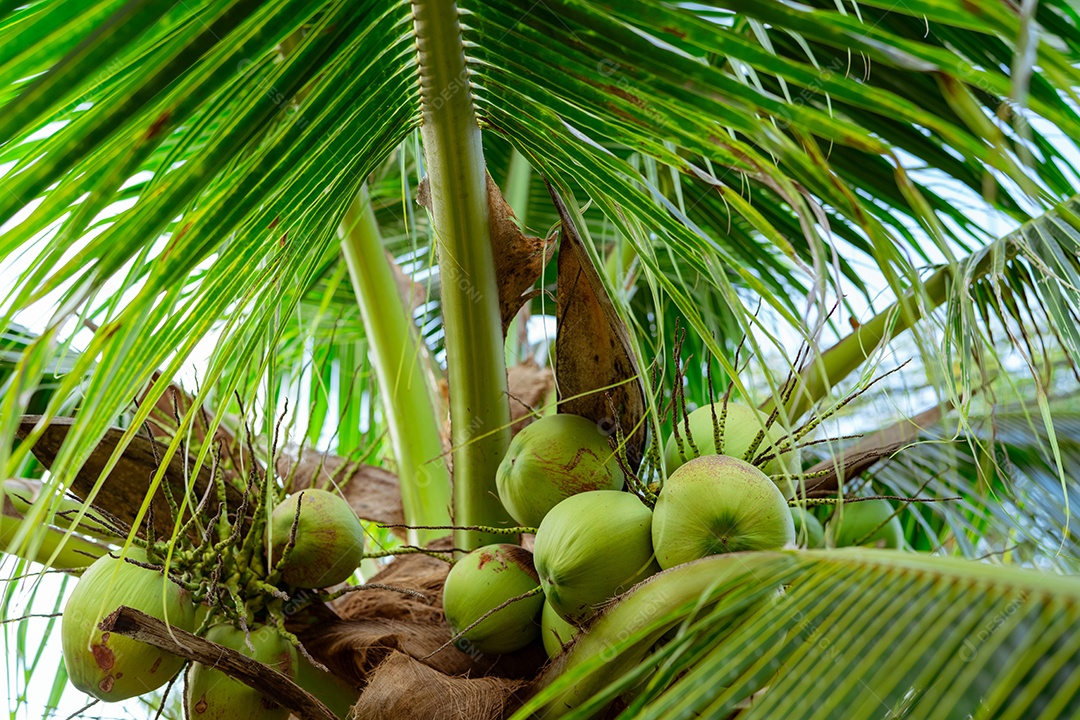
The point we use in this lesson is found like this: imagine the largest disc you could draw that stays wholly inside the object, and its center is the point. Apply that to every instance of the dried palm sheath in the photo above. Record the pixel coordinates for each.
(386, 642)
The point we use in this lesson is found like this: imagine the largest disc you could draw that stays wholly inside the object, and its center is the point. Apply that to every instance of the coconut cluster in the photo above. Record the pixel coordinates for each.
(232, 592)
(557, 471)
(595, 540)
(589, 548)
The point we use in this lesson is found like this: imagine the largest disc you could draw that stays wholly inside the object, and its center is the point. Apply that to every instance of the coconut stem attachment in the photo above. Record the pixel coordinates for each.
(281, 563)
(413, 550)
(478, 528)
(618, 447)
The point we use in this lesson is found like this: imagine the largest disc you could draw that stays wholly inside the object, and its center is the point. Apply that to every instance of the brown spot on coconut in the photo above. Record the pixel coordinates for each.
(329, 539)
(718, 504)
(103, 656)
(112, 667)
(480, 582)
(555, 457)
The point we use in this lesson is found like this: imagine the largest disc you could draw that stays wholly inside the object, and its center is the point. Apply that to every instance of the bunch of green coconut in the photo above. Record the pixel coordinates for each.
(233, 585)
(599, 531)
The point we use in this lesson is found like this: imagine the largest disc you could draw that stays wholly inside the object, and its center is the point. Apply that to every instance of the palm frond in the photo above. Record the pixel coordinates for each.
(1013, 500)
(852, 633)
(249, 207)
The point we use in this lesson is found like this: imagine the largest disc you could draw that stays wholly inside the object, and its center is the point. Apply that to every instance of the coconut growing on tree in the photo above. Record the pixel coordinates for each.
(555, 632)
(592, 547)
(213, 695)
(808, 530)
(329, 543)
(484, 580)
(335, 692)
(553, 458)
(112, 667)
(738, 429)
(717, 504)
(870, 522)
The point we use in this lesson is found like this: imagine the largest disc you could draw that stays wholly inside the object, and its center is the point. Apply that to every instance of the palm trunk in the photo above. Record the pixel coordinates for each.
(476, 368)
(408, 399)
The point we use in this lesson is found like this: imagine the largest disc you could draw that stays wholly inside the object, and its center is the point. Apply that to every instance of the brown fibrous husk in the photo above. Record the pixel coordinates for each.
(395, 647)
(403, 687)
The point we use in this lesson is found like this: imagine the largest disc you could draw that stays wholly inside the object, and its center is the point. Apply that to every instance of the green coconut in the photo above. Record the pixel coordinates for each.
(213, 695)
(482, 581)
(869, 523)
(717, 504)
(740, 427)
(553, 458)
(329, 539)
(554, 631)
(808, 530)
(592, 547)
(334, 692)
(112, 667)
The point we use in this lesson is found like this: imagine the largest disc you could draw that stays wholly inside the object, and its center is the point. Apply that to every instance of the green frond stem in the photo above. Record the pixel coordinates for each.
(48, 545)
(853, 607)
(518, 182)
(516, 194)
(476, 365)
(846, 356)
(625, 633)
(408, 397)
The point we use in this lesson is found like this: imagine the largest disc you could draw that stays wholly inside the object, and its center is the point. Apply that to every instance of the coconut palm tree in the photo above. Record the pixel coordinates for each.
(814, 193)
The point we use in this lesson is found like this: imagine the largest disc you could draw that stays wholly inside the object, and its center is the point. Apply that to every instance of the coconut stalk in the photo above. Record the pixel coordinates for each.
(476, 366)
(408, 396)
